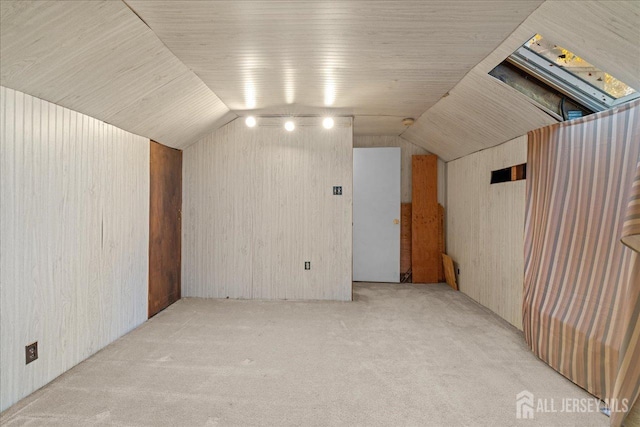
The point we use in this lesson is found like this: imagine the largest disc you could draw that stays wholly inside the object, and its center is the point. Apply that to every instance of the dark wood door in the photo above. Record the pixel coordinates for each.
(164, 227)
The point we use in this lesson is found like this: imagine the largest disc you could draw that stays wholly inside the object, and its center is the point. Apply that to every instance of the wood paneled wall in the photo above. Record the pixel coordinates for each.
(485, 228)
(258, 203)
(74, 238)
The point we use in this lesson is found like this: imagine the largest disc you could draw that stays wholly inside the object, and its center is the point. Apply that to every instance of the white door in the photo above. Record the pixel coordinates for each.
(376, 215)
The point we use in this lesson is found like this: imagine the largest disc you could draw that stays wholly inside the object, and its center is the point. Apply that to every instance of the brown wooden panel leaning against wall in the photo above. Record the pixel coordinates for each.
(426, 257)
(441, 241)
(164, 227)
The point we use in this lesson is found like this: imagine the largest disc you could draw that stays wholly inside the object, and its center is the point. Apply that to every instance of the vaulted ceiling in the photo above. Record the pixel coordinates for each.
(175, 70)
(481, 112)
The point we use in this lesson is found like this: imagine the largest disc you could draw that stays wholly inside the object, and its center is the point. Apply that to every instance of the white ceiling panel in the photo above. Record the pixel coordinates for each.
(183, 68)
(378, 125)
(386, 58)
(192, 112)
(481, 112)
(98, 58)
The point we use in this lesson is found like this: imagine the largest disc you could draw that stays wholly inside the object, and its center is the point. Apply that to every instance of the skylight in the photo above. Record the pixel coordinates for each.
(547, 72)
(561, 57)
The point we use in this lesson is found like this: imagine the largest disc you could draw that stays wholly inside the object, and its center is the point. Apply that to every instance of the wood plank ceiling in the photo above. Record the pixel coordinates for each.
(380, 61)
(98, 58)
(481, 112)
(196, 65)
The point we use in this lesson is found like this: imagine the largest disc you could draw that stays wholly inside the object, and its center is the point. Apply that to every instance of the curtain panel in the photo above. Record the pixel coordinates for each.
(582, 271)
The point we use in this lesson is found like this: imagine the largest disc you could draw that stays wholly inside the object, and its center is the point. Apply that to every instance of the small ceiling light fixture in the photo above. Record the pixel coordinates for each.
(408, 121)
(289, 125)
(250, 121)
(327, 123)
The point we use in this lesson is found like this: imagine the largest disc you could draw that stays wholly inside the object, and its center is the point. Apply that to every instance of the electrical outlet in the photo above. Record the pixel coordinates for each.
(337, 191)
(31, 352)
(307, 265)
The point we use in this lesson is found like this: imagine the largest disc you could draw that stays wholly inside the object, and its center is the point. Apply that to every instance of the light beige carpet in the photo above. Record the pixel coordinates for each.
(419, 355)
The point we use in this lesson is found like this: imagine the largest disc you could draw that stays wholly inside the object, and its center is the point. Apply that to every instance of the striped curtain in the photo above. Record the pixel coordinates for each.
(582, 284)
(631, 228)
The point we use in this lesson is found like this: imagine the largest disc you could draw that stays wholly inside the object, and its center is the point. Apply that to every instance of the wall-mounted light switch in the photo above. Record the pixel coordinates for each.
(337, 191)
(307, 265)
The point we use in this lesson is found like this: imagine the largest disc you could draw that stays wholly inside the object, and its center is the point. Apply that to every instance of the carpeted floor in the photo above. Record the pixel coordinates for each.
(398, 355)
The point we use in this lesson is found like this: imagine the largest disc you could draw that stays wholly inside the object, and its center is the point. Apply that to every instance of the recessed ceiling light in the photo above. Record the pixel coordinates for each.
(250, 121)
(289, 125)
(408, 121)
(327, 123)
